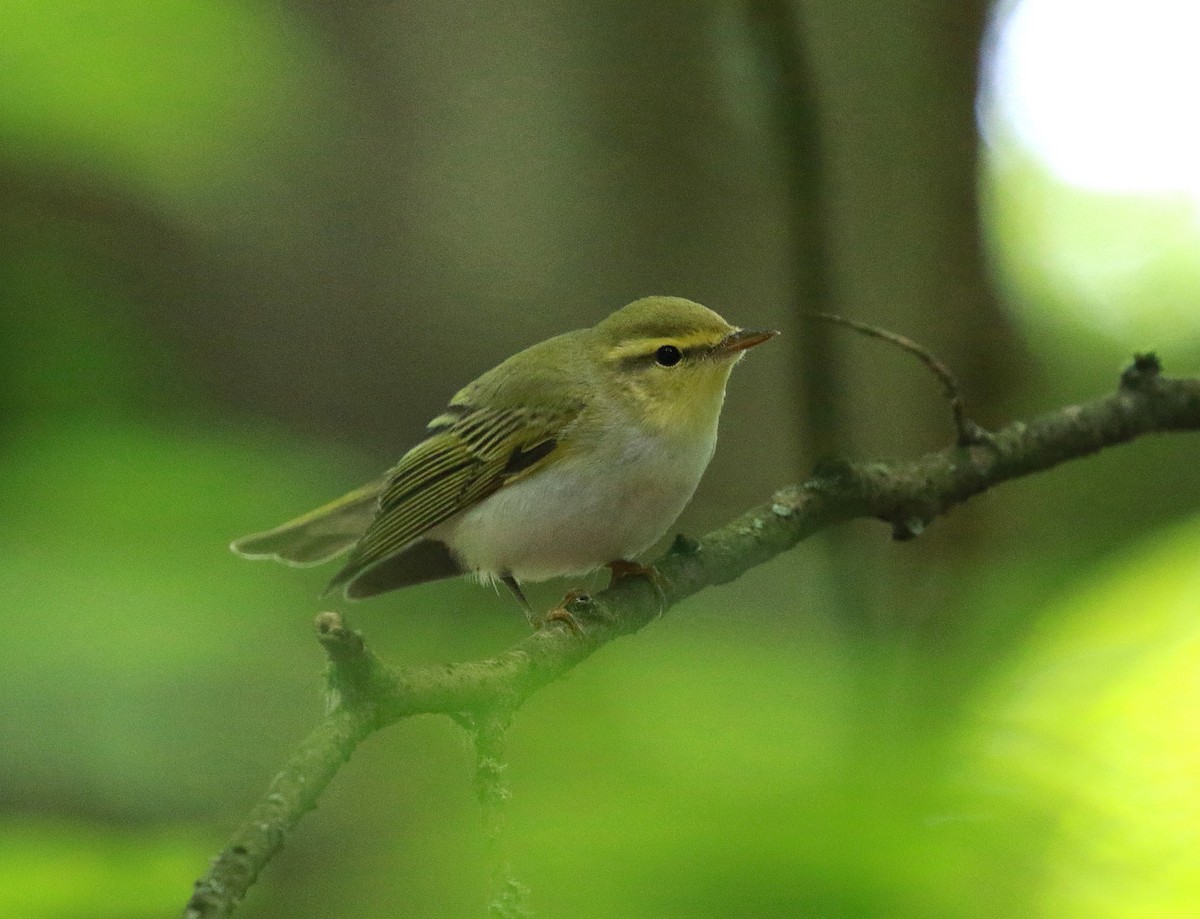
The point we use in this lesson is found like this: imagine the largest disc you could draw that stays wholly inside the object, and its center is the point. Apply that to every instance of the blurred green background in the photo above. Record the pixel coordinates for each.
(250, 247)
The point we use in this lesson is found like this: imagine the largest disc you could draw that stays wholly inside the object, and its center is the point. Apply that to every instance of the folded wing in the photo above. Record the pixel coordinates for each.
(472, 453)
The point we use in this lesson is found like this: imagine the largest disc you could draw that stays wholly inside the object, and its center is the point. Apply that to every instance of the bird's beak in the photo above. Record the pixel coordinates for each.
(741, 339)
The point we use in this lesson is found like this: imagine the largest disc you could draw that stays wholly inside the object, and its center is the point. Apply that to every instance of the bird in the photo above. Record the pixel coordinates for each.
(577, 453)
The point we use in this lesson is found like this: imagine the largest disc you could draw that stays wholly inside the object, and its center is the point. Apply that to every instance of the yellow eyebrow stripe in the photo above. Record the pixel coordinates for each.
(644, 347)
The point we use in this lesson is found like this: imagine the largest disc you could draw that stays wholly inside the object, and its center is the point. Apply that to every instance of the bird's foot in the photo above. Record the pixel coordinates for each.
(560, 613)
(622, 569)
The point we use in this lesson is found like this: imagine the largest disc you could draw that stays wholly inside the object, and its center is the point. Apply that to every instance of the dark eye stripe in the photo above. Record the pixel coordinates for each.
(650, 357)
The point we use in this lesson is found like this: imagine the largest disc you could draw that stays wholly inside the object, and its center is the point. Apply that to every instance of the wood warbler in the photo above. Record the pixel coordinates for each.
(575, 453)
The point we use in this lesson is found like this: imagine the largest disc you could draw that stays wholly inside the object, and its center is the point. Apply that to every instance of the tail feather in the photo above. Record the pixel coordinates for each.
(424, 560)
(319, 535)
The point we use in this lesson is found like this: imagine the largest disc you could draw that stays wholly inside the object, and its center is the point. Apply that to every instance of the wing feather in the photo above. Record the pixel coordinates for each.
(472, 453)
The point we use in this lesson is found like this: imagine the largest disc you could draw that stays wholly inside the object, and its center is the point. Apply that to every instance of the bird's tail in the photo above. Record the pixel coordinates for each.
(318, 535)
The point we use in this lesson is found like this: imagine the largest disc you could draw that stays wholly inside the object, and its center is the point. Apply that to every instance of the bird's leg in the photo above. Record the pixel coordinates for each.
(559, 612)
(511, 583)
(623, 568)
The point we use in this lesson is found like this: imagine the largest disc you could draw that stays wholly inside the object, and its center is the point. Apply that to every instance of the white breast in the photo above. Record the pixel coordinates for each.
(610, 502)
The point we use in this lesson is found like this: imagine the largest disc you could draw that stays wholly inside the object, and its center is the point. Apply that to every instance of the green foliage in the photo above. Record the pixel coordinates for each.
(1088, 739)
(170, 95)
(54, 870)
(74, 348)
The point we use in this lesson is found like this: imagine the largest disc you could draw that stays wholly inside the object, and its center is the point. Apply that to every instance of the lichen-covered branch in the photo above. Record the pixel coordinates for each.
(507, 895)
(365, 695)
(350, 718)
(293, 792)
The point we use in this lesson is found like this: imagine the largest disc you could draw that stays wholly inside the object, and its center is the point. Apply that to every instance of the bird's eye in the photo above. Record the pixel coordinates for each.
(668, 356)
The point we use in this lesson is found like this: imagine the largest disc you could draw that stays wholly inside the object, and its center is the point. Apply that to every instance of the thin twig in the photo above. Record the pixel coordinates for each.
(969, 433)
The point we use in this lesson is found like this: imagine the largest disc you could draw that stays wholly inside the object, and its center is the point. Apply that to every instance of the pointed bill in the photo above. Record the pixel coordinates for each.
(741, 339)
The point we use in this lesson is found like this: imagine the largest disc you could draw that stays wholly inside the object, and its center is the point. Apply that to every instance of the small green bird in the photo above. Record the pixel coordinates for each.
(576, 453)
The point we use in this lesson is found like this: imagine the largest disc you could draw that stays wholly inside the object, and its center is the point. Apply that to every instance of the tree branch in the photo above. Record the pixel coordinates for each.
(365, 695)
(507, 895)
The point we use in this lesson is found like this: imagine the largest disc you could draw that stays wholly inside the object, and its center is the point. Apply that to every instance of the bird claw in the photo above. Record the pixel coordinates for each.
(560, 613)
(623, 568)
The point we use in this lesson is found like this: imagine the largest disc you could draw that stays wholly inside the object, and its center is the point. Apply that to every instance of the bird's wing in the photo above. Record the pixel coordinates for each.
(471, 453)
